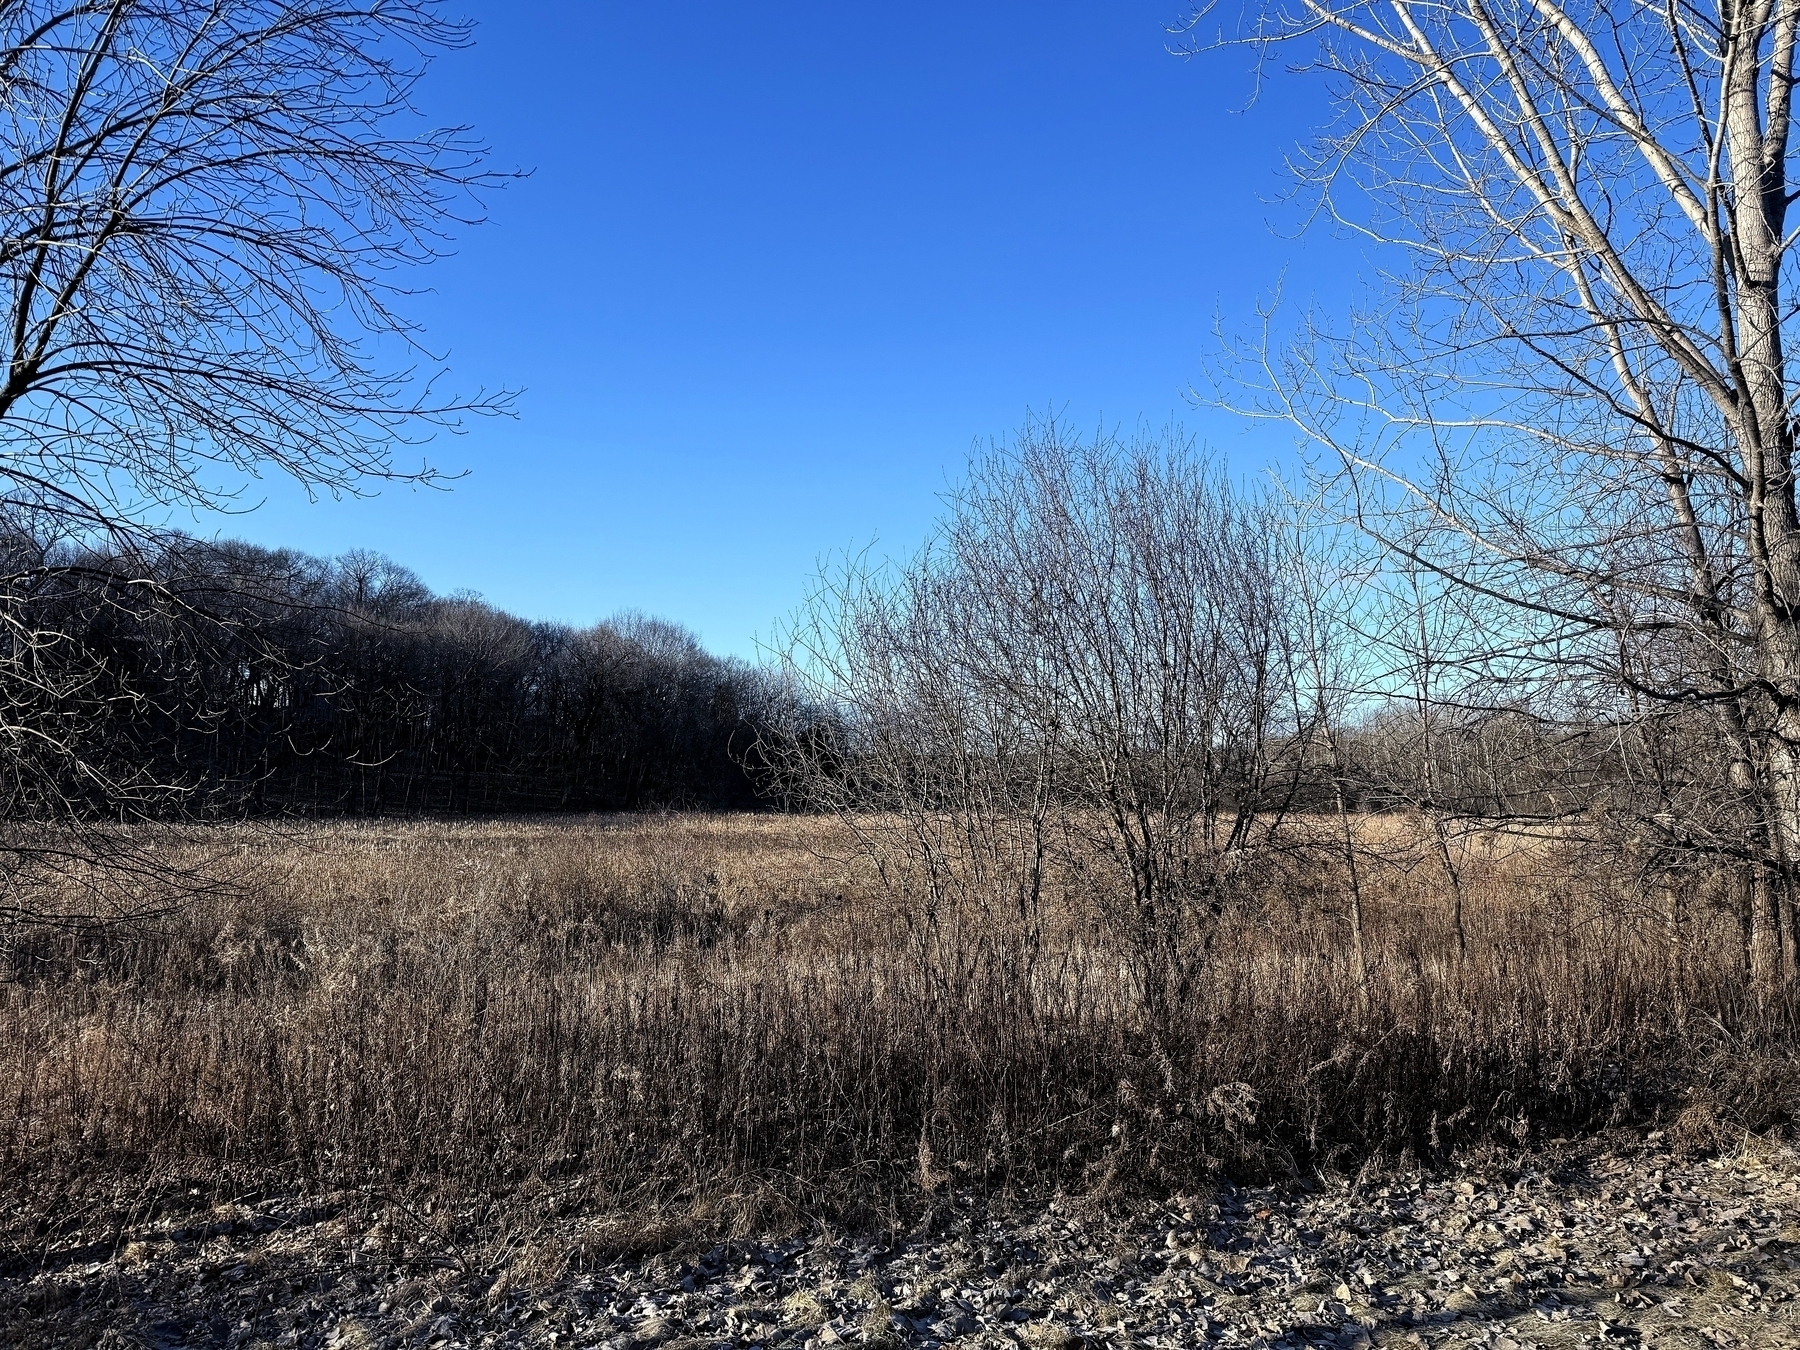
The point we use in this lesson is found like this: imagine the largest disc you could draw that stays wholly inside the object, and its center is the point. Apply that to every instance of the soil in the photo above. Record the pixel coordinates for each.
(1621, 1242)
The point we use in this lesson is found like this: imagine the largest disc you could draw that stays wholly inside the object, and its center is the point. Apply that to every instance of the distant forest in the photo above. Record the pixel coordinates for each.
(223, 678)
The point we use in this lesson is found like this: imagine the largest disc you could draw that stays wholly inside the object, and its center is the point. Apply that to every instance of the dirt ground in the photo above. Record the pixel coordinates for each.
(1620, 1242)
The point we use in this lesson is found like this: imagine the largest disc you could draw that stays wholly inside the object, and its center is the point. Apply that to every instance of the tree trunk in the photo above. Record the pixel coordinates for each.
(1771, 914)
(1766, 453)
(1675, 948)
(1738, 897)
(1359, 957)
(1784, 915)
(1456, 892)
(1765, 937)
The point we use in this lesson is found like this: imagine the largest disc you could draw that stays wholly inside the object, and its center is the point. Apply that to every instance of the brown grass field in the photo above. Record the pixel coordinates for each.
(727, 1015)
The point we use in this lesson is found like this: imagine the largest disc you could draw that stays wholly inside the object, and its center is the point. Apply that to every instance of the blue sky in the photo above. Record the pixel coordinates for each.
(777, 268)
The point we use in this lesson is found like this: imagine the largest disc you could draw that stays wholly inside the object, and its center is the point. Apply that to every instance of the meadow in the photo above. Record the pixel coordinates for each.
(730, 1019)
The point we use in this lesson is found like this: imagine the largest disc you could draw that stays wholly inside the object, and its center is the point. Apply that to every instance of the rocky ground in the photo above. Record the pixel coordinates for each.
(1620, 1244)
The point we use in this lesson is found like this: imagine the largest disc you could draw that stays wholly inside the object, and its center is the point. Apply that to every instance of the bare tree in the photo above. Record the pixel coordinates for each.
(209, 209)
(1076, 689)
(1330, 682)
(1573, 403)
(102, 672)
(208, 213)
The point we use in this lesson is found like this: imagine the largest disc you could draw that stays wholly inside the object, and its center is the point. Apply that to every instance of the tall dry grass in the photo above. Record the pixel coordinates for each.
(659, 1010)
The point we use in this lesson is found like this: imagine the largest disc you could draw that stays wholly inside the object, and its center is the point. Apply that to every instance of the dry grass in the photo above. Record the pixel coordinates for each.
(704, 1012)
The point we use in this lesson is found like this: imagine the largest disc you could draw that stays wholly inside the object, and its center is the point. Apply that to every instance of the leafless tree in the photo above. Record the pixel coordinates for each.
(1076, 688)
(209, 210)
(1572, 403)
(1330, 682)
(98, 672)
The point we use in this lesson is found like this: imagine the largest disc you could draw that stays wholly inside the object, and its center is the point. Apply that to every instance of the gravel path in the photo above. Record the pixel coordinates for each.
(1630, 1247)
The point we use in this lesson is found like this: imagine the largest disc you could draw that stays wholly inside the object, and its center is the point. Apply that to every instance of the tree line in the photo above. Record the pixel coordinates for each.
(200, 679)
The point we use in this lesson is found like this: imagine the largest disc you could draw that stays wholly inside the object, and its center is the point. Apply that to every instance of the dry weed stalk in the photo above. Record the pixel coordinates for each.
(683, 1010)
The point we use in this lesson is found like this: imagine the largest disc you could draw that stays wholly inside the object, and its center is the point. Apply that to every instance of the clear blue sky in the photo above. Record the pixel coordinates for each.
(777, 267)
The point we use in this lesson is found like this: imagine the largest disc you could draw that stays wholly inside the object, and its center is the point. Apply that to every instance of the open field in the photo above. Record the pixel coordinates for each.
(620, 1033)
(680, 1010)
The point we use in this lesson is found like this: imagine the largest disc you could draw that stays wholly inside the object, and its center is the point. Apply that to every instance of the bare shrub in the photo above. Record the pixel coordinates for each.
(1073, 691)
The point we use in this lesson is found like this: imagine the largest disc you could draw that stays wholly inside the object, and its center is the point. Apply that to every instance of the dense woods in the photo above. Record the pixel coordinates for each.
(201, 679)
